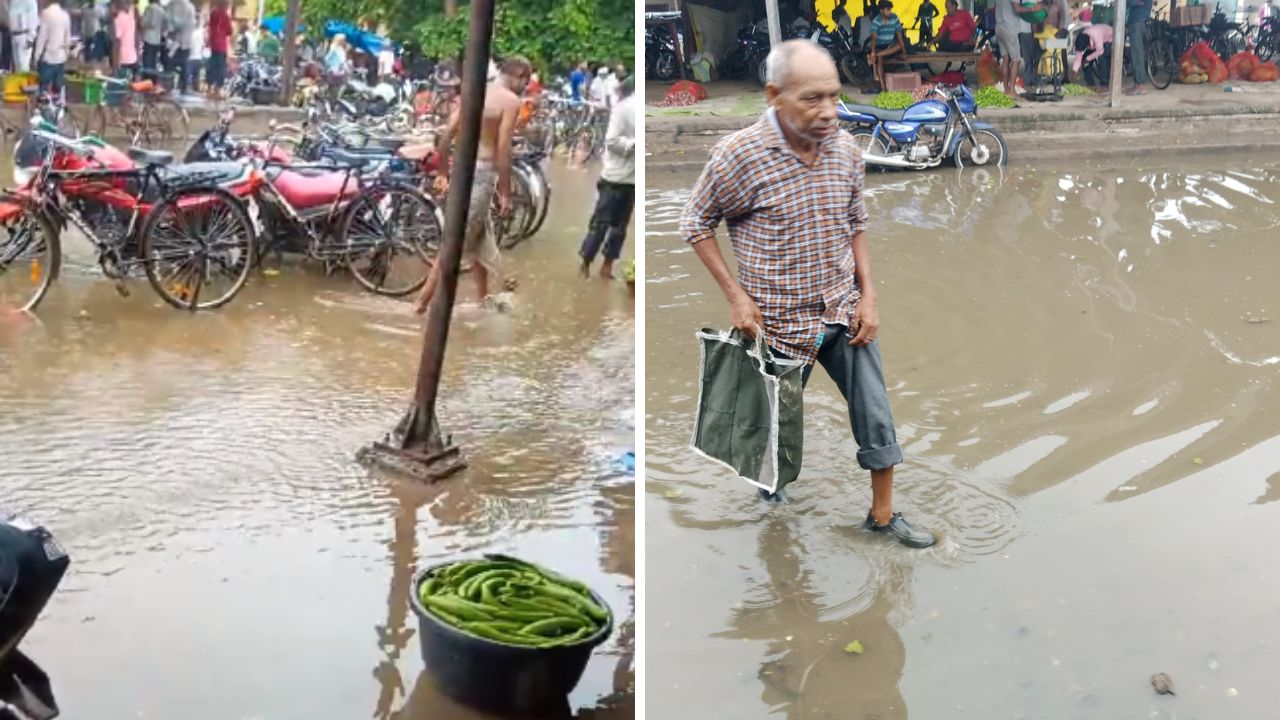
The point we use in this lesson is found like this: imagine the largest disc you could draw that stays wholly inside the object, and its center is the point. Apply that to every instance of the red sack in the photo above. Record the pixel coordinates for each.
(691, 87)
(988, 69)
(1202, 55)
(1218, 71)
(1265, 72)
(1241, 64)
(954, 78)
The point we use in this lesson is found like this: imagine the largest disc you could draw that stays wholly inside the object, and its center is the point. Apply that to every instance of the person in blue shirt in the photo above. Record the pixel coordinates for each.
(886, 36)
(578, 82)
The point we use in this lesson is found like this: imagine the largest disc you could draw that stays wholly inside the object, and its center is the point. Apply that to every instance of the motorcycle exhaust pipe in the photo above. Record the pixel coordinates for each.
(893, 161)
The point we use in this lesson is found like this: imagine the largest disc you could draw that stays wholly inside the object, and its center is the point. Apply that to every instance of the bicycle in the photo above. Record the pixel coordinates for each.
(530, 200)
(1162, 59)
(186, 227)
(142, 109)
(1267, 43)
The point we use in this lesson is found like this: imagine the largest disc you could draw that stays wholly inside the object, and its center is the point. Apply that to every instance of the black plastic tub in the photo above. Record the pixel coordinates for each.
(497, 677)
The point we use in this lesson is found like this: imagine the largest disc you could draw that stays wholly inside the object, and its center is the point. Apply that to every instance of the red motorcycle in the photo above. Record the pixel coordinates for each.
(186, 226)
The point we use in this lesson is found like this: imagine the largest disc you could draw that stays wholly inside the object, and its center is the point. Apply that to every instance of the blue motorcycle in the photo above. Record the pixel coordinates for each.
(925, 134)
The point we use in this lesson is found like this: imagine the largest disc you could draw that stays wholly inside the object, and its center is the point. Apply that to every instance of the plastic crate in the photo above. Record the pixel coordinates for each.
(904, 82)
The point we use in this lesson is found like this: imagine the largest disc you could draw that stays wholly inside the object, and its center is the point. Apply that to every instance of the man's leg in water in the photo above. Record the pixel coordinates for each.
(624, 198)
(596, 228)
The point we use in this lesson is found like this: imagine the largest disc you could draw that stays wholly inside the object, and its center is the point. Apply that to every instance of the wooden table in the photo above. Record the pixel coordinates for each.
(928, 57)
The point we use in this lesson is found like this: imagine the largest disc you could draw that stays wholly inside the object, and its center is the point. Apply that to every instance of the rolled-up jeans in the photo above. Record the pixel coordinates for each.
(1136, 32)
(859, 375)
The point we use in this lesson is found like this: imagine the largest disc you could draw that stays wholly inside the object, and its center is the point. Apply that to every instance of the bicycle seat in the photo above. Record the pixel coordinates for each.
(142, 86)
(156, 158)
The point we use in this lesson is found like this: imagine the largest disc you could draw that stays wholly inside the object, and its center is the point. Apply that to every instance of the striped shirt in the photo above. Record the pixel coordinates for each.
(791, 227)
(886, 31)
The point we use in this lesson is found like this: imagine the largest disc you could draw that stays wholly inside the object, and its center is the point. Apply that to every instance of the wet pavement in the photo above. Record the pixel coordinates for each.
(230, 559)
(1082, 362)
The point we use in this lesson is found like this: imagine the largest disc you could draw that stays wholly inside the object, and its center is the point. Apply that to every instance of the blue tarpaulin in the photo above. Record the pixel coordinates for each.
(275, 25)
(362, 40)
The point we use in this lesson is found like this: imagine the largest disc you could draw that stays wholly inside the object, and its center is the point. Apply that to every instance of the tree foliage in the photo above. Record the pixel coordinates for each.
(553, 34)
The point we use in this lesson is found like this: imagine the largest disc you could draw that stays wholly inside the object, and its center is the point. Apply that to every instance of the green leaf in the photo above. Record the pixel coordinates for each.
(1197, 461)
(854, 648)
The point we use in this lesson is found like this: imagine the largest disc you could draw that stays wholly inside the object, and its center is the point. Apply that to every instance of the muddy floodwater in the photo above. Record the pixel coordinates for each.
(1082, 362)
(230, 559)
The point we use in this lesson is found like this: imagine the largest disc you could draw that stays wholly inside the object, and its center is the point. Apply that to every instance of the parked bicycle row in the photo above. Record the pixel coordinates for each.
(336, 193)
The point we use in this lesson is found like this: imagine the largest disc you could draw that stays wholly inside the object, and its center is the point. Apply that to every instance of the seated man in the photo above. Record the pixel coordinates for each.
(957, 32)
(886, 36)
(1093, 55)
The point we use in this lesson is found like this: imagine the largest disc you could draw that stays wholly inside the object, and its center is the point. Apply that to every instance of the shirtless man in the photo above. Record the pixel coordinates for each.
(493, 160)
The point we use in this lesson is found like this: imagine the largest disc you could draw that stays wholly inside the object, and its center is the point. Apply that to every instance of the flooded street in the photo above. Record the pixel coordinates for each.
(1082, 361)
(230, 559)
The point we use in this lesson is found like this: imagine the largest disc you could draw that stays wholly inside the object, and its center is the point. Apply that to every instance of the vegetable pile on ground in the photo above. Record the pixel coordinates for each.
(993, 97)
(1247, 66)
(923, 91)
(1074, 90)
(1201, 64)
(684, 94)
(629, 270)
(895, 100)
(511, 601)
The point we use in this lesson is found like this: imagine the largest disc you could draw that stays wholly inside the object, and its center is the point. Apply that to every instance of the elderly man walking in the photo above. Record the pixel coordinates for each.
(790, 188)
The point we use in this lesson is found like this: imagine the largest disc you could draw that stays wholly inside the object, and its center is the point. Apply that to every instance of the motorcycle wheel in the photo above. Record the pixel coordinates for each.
(856, 70)
(992, 142)
(762, 71)
(869, 142)
(736, 65)
(664, 66)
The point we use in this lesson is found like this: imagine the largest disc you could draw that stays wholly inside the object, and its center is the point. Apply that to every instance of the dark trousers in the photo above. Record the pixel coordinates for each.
(6, 48)
(953, 46)
(1098, 72)
(178, 66)
(151, 57)
(1137, 34)
(859, 375)
(608, 227)
(216, 70)
(192, 77)
(51, 76)
(1030, 48)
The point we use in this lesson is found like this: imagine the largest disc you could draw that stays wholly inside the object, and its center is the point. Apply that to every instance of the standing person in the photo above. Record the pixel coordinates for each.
(886, 38)
(791, 189)
(53, 46)
(596, 92)
(1028, 45)
(219, 46)
(154, 28)
(924, 21)
(1134, 28)
(182, 27)
(493, 163)
(24, 19)
(956, 34)
(268, 46)
(612, 83)
(336, 65)
(1009, 28)
(578, 80)
(616, 190)
(199, 51)
(125, 40)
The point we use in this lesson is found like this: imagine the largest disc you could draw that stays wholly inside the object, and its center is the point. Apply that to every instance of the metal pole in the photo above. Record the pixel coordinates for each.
(1117, 53)
(461, 176)
(775, 22)
(289, 56)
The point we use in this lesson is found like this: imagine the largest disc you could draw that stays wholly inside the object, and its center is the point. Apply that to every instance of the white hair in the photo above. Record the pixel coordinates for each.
(777, 66)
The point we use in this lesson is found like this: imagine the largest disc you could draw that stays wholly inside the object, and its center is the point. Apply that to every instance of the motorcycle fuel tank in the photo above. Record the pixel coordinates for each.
(928, 111)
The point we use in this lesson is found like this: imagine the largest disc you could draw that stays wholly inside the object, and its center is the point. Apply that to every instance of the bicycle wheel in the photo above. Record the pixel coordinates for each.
(1268, 43)
(391, 233)
(1227, 43)
(509, 230)
(541, 197)
(198, 246)
(1162, 66)
(30, 255)
(172, 118)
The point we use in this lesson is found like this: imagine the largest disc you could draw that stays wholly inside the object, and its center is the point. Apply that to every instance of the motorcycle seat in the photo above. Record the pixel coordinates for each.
(307, 191)
(150, 157)
(214, 173)
(873, 111)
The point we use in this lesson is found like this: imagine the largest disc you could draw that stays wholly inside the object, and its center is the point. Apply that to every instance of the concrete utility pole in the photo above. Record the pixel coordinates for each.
(289, 54)
(1117, 52)
(416, 445)
(775, 22)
